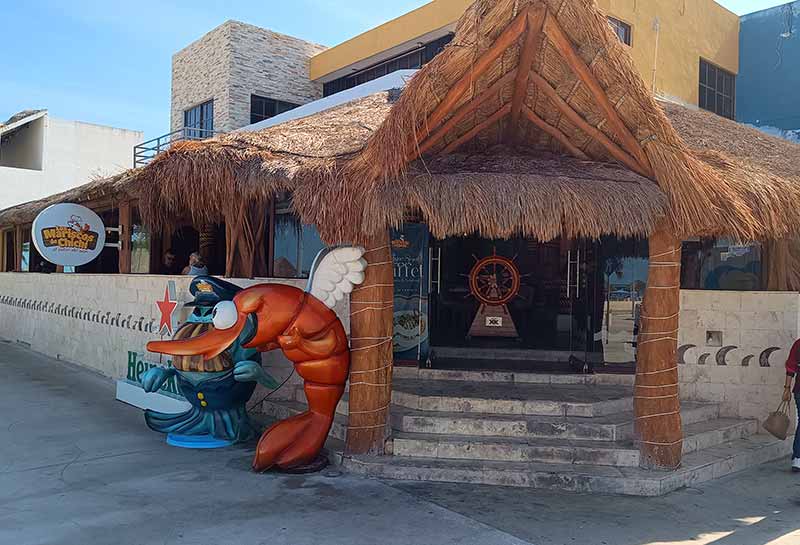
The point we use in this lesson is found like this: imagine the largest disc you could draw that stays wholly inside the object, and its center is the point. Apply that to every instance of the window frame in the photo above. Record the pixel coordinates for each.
(722, 79)
(412, 59)
(278, 107)
(618, 25)
(198, 121)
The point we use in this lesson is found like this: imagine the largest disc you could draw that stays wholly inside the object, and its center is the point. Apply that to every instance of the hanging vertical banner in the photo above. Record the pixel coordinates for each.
(410, 255)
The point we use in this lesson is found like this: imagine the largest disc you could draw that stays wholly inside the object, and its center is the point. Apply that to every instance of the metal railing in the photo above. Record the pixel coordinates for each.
(147, 151)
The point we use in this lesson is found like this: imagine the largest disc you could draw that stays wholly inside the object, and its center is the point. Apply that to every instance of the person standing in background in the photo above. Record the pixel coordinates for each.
(169, 264)
(196, 266)
(791, 371)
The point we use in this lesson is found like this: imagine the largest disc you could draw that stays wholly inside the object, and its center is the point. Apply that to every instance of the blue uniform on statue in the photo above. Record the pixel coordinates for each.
(218, 389)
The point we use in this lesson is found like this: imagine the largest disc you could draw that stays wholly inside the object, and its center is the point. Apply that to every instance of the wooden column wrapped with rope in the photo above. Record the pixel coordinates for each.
(656, 401)
(371, 352)
(245, 228)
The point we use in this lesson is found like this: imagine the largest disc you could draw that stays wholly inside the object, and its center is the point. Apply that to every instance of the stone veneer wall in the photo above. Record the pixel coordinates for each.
(95, 320)
(234, 61)
(733, 347)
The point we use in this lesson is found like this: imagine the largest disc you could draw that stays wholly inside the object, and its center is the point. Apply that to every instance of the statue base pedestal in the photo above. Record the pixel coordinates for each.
(196, 441)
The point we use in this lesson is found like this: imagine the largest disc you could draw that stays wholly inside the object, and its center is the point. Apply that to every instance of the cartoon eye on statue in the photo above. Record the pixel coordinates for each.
(218, 388)
(268, 317)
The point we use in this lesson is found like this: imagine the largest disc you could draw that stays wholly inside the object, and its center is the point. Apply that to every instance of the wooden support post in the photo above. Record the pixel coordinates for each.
(18, 237)
(126, 225)
(657, 407)
(371, 360)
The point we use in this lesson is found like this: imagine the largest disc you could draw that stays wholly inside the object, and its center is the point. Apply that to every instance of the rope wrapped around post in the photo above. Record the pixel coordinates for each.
(371, 351)
(656, 397)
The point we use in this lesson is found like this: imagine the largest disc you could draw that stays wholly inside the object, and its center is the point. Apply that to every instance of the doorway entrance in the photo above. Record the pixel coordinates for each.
(527, 305)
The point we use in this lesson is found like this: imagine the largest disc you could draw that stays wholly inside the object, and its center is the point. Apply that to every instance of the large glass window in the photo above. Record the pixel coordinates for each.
(720, 264)
(412, 59)
(717, 90)
(199, 120)
(262, 108)
(295, 244)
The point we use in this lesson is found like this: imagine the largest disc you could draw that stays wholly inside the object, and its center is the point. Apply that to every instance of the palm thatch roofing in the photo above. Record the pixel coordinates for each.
(115, 187)
(533, 120)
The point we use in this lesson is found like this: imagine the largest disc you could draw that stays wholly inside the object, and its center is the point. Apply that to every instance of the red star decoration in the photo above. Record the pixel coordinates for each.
(167, 308)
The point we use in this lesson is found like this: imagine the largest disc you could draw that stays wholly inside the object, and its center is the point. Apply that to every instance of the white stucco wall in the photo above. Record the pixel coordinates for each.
(96, 320)
(73, 154)
(744, 369)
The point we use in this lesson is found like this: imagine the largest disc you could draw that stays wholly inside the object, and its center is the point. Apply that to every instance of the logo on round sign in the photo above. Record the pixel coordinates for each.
(68, 234)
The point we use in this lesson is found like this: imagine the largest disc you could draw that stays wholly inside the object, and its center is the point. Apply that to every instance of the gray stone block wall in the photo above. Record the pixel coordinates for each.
(201, 72)
(234, 61)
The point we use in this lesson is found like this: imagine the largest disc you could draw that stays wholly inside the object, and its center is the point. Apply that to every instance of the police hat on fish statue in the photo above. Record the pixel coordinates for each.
(209, 290)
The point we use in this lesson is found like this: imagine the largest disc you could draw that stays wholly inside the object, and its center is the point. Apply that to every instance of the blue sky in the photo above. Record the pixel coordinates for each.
(109, 62)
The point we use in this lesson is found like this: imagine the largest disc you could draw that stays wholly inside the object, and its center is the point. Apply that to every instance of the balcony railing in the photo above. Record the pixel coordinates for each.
(147, 151)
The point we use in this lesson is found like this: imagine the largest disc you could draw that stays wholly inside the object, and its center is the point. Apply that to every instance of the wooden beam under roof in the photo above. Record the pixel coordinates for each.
(527, 57)
(510, 35)
(554, 132)
(477, 129)
(563, 44)
(468, 107)
(613, 149)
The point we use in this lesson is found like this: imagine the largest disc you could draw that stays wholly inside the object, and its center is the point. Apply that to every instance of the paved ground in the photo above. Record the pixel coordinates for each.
(78, 468)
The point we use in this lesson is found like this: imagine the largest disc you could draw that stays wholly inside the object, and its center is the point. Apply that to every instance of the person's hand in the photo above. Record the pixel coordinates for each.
(787, 393)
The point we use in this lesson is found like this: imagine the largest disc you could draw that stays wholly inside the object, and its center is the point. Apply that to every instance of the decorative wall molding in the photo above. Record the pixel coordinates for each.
(130, 322)
(721, 356)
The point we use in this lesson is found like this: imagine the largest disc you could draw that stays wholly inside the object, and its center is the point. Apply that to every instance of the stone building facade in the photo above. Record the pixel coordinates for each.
(233, 62)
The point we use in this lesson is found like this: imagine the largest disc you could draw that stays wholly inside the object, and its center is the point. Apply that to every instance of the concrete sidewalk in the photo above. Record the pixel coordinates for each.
(78, 468)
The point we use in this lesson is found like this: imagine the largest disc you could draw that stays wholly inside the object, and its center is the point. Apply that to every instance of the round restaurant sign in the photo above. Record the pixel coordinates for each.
(68, 234)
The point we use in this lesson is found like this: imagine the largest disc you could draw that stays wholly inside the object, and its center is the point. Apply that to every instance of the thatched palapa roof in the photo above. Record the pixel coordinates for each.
(533, 120)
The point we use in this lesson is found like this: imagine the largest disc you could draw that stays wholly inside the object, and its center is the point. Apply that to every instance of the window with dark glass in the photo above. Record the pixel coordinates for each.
(721, 264)
(409, 60)
(717, 90)
(622, 30)
(262, 108)
(295, 244)
(199, 121)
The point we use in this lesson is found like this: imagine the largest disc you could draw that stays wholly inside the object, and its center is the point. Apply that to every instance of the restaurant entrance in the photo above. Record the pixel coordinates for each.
(563, 305)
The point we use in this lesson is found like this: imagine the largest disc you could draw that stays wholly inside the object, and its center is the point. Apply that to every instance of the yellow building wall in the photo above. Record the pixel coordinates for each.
(689, 29)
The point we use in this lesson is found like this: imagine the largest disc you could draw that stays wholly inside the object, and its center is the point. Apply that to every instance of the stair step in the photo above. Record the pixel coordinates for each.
(614, 427)
(512, 398)
(281, 410)
(698, 467)
(703, 435)
(517, 449)
(519, 377)
(513, 449)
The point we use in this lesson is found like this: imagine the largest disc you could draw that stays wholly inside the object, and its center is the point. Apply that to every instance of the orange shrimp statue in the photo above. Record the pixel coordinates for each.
(302, 324)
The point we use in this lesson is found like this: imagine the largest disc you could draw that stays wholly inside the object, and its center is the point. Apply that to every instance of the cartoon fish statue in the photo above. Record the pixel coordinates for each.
(218, 388)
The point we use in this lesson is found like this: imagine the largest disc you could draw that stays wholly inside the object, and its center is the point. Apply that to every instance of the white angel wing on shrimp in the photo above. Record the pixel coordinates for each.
(336, 271)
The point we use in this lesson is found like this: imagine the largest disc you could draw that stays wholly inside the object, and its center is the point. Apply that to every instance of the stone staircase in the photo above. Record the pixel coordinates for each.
(565, 432)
